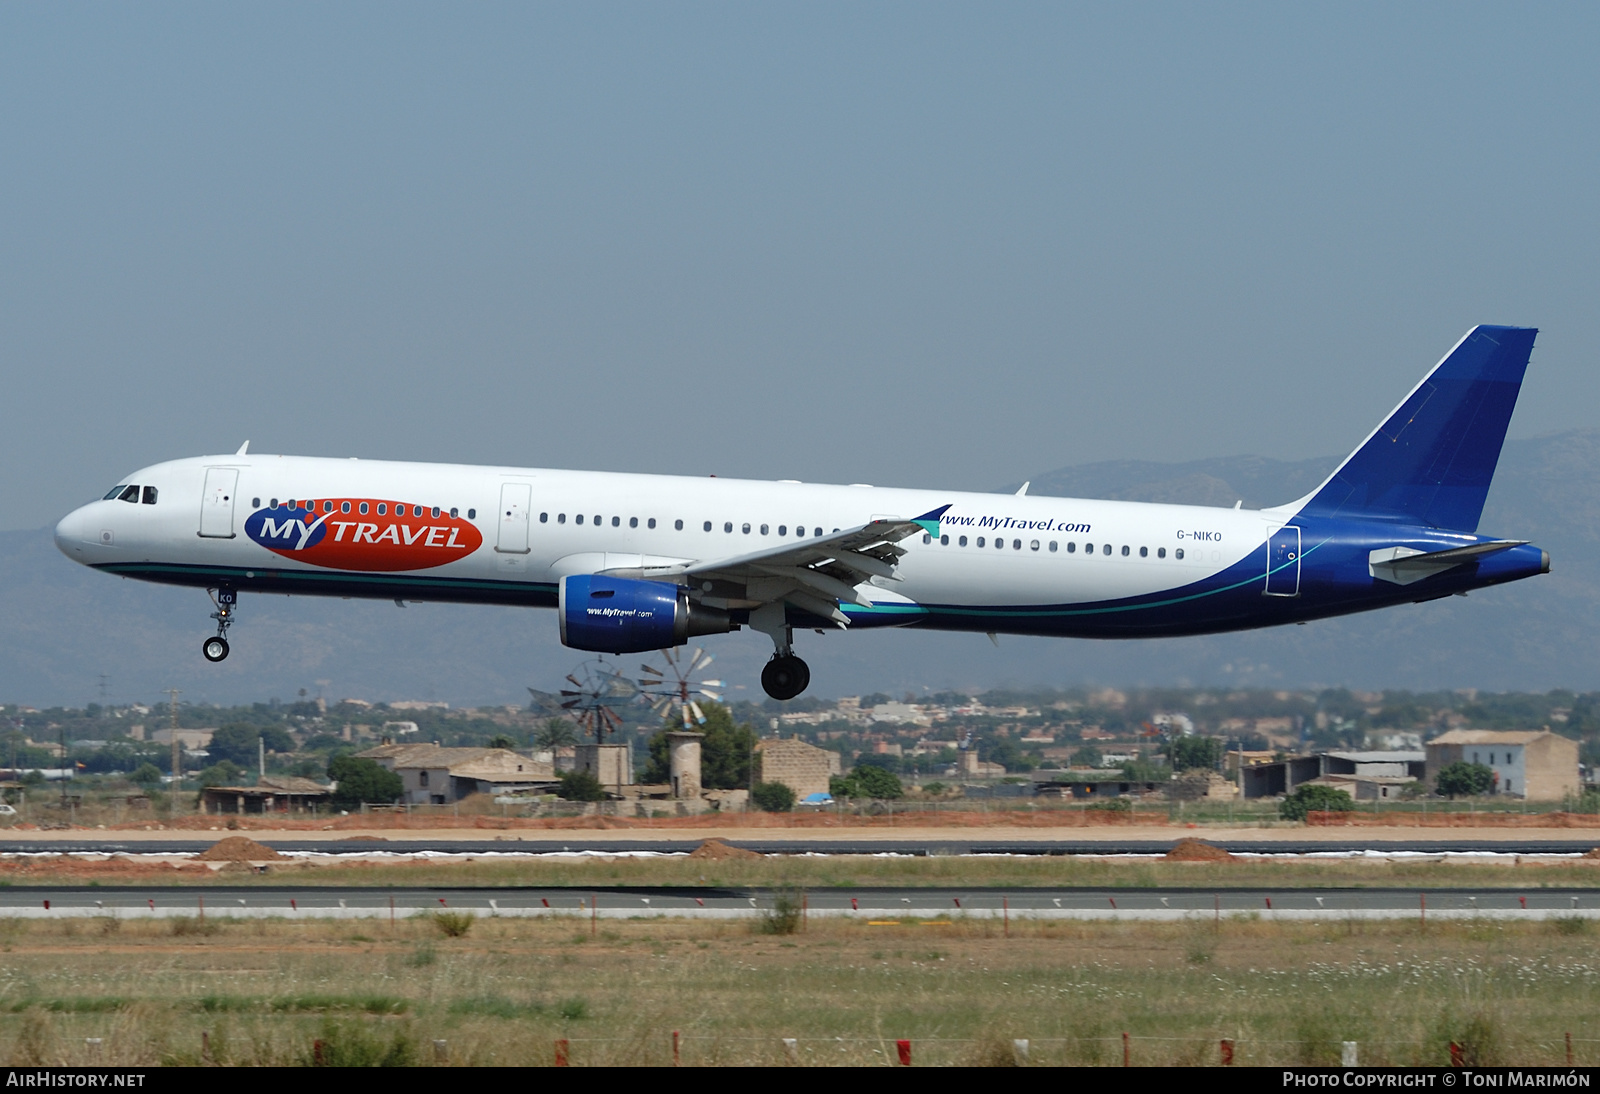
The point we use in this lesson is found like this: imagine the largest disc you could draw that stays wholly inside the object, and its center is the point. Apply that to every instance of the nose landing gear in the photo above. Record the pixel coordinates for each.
(216, 649)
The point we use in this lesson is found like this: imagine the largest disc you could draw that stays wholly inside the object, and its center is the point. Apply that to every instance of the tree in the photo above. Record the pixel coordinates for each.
(500, 740)
(555, 733)
(724, 753)
(772, 797)
(867, 781)
(581, 786)
(1194, 751)
(1462, 778)
(238, 743)
(1087, 756)
(1314, 797)
(225, 773)
(146, 775)
(362, 780)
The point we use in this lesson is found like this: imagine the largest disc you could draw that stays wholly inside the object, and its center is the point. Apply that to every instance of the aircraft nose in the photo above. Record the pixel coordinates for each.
(71, 536)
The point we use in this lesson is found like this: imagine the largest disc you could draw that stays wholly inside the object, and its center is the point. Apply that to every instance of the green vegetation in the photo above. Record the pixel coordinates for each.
(363, 781)
(725, 752)
(1189, 752)
(867, 781)
(1462, 779)
(1314, 798)
(581, 786)
(772, 797)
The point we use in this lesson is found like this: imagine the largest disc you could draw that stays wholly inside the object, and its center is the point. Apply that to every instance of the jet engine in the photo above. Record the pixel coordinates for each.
(625, 615)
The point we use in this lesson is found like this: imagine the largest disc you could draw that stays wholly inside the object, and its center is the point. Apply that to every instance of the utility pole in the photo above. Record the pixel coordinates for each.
(177, 749)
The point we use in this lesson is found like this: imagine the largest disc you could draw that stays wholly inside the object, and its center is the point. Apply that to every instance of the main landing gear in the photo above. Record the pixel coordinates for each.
(785, 676)
(216, 649)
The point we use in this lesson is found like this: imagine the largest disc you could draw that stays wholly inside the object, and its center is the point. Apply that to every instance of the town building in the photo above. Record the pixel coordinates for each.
(1535, 765)
(432, 775)
(801, 767)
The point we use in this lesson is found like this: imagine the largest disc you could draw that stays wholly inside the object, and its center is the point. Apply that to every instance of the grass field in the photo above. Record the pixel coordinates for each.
(263, 992)
(842, 871)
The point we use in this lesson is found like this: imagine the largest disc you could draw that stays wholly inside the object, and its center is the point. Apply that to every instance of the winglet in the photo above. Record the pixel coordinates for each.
(244, 449)
(929, 521)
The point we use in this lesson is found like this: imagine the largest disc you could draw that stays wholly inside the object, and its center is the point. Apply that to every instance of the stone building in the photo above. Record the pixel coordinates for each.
(801, 767)
(1536, 765)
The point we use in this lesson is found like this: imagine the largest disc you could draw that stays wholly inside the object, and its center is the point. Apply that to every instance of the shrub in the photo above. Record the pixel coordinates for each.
(362, 781)
(146, 775)
(1194, 751)
(353, 1044)
(867, 781)
(784, 914)
(1315, 798)
(453, 924)
(1461, 778)
(772, 797)
(581, 786)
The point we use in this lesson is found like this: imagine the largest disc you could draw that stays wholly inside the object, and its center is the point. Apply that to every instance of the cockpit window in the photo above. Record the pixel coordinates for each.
(129, 494)
(114, 491)
(149, 495)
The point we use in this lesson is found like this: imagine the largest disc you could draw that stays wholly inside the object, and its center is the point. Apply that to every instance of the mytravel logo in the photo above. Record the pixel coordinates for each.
(363, 534)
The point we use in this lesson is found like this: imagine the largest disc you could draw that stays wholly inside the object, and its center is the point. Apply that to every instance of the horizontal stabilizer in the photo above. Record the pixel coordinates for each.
(1431, 460)
(1404, 565)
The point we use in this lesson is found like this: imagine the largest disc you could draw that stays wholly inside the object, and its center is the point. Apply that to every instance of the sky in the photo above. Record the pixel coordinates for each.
(909, 244)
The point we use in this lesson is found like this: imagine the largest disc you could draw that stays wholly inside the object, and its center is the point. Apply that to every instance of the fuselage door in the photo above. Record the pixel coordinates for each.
(516, 498)
(216, 505)
(1283, 562)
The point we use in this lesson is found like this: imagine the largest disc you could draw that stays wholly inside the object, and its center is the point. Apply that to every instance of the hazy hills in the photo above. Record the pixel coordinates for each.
(62, 626)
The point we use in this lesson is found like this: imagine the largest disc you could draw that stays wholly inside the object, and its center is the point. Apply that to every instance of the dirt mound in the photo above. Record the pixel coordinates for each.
(1194, 850)
(363, 839)
(238, 849)
(718, 851)
(1592, 854)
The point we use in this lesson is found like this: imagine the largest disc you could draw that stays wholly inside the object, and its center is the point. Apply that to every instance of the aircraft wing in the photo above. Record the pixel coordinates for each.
(814, 574)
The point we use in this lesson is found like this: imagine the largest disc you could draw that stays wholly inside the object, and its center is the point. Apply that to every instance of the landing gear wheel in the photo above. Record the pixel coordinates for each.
(215, 649)
(785, 677)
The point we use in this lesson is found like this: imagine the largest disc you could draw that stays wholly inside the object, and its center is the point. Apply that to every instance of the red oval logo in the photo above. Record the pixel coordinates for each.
(364, 534)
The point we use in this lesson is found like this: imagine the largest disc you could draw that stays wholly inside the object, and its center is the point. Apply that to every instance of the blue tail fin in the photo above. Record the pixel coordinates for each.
(1431, 461)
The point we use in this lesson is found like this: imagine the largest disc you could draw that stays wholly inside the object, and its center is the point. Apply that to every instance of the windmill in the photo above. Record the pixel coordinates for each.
(675, 686)
(595, 686)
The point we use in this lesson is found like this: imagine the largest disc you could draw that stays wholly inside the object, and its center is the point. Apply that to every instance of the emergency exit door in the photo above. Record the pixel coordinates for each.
(216, 504)
(516, 498)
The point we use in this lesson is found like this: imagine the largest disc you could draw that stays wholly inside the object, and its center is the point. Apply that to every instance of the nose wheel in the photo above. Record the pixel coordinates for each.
(785, 676)
(216, 648)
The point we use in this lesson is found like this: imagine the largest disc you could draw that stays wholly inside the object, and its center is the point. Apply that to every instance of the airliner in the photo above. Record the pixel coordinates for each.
(633, 563)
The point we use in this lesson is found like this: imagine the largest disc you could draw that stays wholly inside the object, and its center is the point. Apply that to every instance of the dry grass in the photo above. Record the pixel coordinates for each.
(262, 992)
(835, 871)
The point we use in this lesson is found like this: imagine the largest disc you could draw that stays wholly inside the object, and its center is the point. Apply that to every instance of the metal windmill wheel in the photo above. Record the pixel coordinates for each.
(594, 687)
(675, 686)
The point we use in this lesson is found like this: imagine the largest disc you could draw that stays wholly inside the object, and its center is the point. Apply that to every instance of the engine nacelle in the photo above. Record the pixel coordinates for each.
(625, 615)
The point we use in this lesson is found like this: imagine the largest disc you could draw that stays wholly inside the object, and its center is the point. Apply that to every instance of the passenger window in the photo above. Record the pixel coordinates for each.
(962, 542)
(1016, 545)
(927, 538)
(1124, 550)
(800, 530)
(633, 522)
(763, 529)
(382, 509)
(472, 514)
(652, 522)
(944, 541)
(544, 518)
(1072, 546)
(597, 520)
(1105, 549)
(561, 518)
(1144, 552)
(274, 503)
(416, 510)
(1052, 546)
(616, 522)
(727, 526)
(746, 529)
(344, 507)
(980, 542)
(150, 497)
(783, 529)
(130, 494)
(1088, 548)
(578, 519)
(454, 513)
(1178, 554)
(363, 508)
(1034, 546)
(708, 526)
(678, 525)
(1161, 552)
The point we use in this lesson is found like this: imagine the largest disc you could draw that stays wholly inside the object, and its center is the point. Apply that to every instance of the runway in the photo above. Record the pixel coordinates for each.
(795, 842)
(871, 904)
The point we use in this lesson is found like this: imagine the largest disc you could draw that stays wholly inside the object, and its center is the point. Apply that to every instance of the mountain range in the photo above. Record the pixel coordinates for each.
(69, 636)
